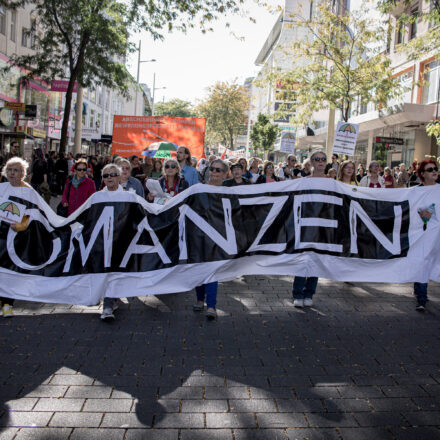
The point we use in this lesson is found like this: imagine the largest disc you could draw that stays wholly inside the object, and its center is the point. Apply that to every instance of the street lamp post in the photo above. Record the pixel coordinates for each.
(154, 91)
(138, 72)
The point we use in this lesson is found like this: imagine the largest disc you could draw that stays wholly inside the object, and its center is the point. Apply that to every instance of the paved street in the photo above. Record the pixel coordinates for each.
(361, 364)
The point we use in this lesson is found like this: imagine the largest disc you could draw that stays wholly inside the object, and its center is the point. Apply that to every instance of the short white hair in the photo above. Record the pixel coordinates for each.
(111, 166)
(16, 160)
(124, 160)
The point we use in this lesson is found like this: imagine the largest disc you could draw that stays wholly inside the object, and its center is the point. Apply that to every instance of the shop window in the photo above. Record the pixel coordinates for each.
(431, 84)
(13, 25)
(2, 21)
(24, 37)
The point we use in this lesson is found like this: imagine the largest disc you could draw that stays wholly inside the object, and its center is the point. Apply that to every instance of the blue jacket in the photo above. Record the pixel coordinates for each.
(135, 185)
(190, 175)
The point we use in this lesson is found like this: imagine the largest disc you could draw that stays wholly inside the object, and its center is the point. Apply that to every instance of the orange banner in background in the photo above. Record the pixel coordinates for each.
(133, 134)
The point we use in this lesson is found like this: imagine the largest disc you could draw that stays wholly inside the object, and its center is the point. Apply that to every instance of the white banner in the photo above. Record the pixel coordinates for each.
(117, 244)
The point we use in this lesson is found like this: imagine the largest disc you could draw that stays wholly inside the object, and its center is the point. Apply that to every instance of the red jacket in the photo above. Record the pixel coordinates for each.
(78, 196)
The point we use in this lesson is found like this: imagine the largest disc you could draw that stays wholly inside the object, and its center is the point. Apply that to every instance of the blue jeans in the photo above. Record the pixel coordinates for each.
(210, 291)
(304, 287)
(421, 291)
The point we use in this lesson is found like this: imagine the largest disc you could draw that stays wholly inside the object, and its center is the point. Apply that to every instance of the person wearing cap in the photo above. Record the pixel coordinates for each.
(237, 176)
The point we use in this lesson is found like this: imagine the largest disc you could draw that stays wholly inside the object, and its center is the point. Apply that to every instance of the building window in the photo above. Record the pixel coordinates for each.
(13, 25)
(98, 120)
(413, 25)
(431, 85)
(32, 35)
(24, 37)
(399, 33)
(2, 21)
(92, 119)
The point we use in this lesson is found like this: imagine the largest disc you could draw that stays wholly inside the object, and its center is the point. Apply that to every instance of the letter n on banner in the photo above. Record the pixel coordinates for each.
(228, 244)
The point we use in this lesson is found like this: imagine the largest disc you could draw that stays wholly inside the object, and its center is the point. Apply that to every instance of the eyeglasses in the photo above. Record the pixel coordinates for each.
(319, 159)
(430, 170)
(106, 176)
(217, 170)
(170, 166)
(269, 167)
(81, 169)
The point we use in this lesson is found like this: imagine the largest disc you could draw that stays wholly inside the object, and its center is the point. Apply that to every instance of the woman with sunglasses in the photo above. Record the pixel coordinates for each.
(268, 175)
(217, 174)
(373, 179)
(305, 287)
(428, 175)
(78, 188)
(171, 182)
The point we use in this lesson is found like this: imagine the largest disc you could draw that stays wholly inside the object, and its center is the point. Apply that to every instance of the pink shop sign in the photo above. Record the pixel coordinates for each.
(60, 85)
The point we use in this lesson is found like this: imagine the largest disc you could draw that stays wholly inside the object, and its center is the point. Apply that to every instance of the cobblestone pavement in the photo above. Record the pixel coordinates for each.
(360, 364)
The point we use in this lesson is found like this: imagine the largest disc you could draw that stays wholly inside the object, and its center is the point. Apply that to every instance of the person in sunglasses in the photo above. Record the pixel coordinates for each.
(78, 188)
(373, 179)
(304, 288)
(268, 174)
(218, 170)
(428, 175)
(237, 176)
(172, 182)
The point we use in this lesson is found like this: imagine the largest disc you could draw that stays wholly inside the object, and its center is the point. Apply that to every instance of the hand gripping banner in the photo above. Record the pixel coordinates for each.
(118, 245)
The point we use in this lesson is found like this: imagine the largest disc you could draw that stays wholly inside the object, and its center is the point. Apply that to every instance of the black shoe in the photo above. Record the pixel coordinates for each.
(421, 306)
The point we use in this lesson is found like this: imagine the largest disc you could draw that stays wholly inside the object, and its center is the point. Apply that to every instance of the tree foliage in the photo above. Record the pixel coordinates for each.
(339, 61)
(225, 110)
(174, 107)
(88, 40)
(264, 134)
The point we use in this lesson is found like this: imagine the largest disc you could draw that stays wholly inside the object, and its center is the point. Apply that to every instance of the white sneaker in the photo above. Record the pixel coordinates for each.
(107, 314)
(308, 302)
(298, 303)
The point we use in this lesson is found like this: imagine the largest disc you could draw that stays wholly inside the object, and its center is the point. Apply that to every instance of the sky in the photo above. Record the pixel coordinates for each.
(189, 63)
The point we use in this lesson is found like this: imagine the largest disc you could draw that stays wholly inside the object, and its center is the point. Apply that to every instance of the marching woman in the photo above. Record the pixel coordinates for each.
(78, 188)
(172, 182)
(305, 287)
(373, 179)
(15, 172)
(346, 173)
(217, 173)
(268, 174)
(237, 176)
(128, 182)
(428, 174)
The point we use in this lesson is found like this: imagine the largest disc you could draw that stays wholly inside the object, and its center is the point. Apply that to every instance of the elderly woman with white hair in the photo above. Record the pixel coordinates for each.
(128, 182)
(111, 177)
(15, 171)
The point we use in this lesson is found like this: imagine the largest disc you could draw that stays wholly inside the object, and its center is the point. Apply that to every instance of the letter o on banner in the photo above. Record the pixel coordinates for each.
(56, 248)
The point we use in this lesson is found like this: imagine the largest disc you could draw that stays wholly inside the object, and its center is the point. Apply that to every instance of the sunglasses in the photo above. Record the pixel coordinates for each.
(430, 170)
(217, 170)
(81, 169)
(170, 166)
(319, 159)
(269, 167)
(106, 176)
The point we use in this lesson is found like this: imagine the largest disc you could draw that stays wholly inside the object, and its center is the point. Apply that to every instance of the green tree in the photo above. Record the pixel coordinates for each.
(225, 110)
(340, 61)
(264, 134)
(88, 40)
(174, 107)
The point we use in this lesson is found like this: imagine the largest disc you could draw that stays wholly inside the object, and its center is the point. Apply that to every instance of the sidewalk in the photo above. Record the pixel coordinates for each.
(361, 364)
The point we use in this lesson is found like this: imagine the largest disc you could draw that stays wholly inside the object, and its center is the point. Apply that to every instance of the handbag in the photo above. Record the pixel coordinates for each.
(62, 210)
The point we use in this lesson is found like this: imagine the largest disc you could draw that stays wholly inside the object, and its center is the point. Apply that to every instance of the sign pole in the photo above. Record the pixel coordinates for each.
(78, 121)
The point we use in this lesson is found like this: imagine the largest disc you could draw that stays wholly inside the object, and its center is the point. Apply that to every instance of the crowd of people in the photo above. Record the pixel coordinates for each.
(76, 179)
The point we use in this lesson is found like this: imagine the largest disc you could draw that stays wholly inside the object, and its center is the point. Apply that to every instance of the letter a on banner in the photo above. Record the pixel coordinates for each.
(229, 245)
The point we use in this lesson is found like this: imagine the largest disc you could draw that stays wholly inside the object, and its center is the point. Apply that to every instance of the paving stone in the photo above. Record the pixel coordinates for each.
(312, 434)
(48, 391)
(25, 419)
(418, 433)
(206, 434)
(88, 392)
(384, 418)
(72, 419)
(108, 405)
(208, 406)
(23, 404)
(281, 420)
(70, 379)
(230, 421)
(254, 405)
(92, 433)
(331, 420)
(152, 434)
(8, 433)
(377, 433)
(43, 434)
(51, 404)
(301, 406)
(260, 434)
(181, 421)
(423, 418)
(395, 404)
(126, 420)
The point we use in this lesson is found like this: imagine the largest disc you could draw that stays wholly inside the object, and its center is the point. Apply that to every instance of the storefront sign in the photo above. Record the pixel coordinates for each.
(107, 138)
(16, 106)
(389, 140)
(62, 85)
(36, 132)
(345, 138)
(6, 117)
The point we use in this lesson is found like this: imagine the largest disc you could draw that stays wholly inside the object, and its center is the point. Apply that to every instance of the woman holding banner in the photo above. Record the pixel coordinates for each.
(305, 287)
(15, 172)
(373, 179)
(217, 173)
(428, 174)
